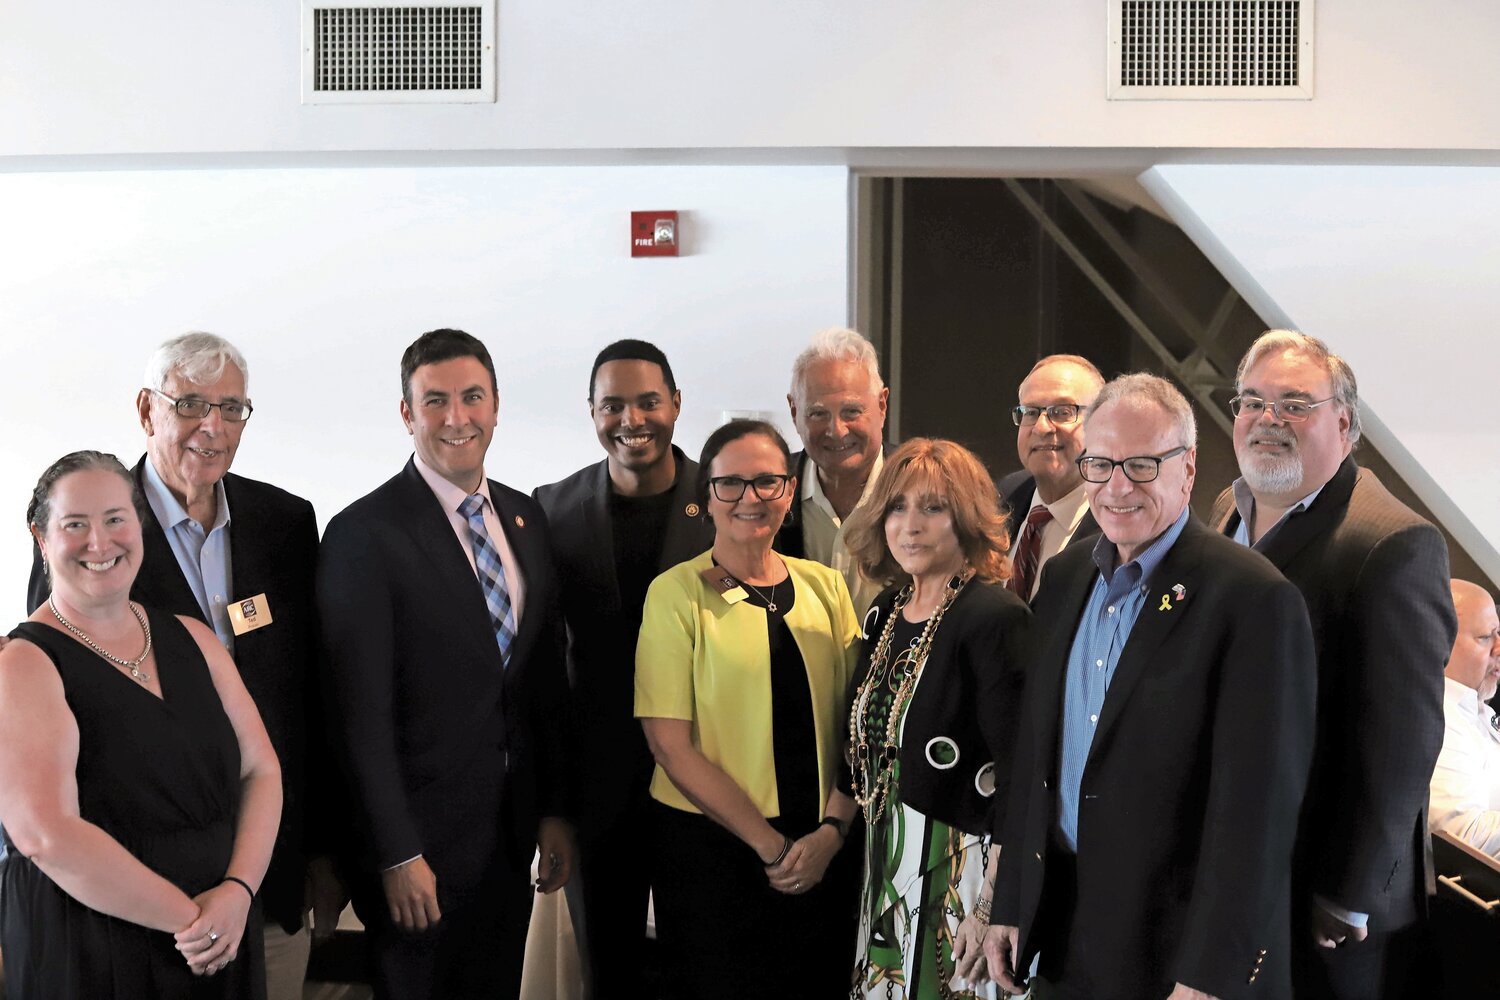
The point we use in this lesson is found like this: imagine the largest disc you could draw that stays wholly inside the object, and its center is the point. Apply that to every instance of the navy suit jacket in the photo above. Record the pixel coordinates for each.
(613, 764)
(1375, 576)
(273, 545)
(1191, 789)
(449, 754)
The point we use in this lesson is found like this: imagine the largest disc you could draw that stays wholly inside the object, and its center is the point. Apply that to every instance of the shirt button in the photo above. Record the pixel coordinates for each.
(1094, 718)
(218, 598)
(1098, 663)
(1111, 609)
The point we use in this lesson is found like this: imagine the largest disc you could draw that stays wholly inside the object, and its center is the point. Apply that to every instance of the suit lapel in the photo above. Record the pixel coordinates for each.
(601, 542)
(1300, 529)
(526, 544)
(162, 583)
(1061, 615)
(1153, 626)
(685, 536)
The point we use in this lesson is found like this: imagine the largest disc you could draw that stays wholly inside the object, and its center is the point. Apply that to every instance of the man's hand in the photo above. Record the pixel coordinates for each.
(1000, 946)
(325, 896)
(559, 852)
(1181, 992)
(1329, 931)
(411, 894)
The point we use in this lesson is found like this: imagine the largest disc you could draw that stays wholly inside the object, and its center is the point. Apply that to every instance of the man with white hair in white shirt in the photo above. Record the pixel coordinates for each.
(1466, 782)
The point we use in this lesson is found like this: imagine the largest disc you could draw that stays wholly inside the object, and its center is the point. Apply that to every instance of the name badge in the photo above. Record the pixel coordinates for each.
(724, 585)
(249, 614)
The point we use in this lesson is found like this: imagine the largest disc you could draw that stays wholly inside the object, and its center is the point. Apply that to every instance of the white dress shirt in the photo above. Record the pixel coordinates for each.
(1067, 513)
(452, 497)
(1466, 782)
(823, 534)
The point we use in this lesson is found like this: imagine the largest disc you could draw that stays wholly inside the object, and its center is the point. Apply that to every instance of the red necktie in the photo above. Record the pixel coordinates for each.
(1027, 555)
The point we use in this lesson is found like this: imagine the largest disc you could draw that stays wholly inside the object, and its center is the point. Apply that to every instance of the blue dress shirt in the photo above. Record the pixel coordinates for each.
(1115, 602)
(202, 555)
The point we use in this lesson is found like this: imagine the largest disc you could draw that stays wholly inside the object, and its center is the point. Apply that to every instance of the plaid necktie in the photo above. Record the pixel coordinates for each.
(1028, 552)
(491, 575)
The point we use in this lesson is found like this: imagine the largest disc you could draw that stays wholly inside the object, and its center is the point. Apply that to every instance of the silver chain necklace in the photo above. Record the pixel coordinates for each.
(132, 665)
(770, 601)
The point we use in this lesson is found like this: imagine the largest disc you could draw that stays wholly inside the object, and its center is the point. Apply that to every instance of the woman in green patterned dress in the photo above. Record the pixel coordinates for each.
(932, 720)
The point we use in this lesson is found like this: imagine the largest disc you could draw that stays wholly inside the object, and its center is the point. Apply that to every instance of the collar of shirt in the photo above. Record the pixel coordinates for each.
(1244, 503)
(451, 497)
(812, 489)
(1066, 511)
(169, 511)
(1119, 579)
(1467, 699)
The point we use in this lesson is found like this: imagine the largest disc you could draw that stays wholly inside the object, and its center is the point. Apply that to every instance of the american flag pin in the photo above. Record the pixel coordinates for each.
(1179, 592)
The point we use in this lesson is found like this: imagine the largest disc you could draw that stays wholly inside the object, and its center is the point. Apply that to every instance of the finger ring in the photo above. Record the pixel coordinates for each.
(213, 936)
(796, 886)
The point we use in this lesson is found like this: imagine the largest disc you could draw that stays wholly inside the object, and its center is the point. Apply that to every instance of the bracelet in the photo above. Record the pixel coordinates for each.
(786, 845)
(982, 909)
(842, 826)
(242, 884)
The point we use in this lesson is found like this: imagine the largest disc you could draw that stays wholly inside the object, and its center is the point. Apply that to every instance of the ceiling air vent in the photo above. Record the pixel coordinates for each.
(1210, 49)
(379, 52)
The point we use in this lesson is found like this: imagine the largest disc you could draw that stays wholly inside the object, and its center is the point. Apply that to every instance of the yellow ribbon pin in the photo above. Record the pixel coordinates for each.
(1166, 603)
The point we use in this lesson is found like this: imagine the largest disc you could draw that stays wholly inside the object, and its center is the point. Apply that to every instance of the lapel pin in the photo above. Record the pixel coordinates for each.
(520, 521)
(691, 510)
(1166, 603)
(1179, 593)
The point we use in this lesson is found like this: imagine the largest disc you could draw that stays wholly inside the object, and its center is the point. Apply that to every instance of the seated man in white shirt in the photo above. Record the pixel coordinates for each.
(1466, 782)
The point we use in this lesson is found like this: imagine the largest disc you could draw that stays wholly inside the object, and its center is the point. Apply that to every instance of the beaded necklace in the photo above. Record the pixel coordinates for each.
(873, 765)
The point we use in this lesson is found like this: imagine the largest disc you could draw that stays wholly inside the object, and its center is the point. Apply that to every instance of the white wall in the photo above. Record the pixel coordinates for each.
(1396, 267)
(161, 77)
(322, 277)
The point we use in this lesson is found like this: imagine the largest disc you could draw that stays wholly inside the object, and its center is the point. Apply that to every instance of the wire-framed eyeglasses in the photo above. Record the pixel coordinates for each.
(231, 411)
(1060, 414)
(771, 486)
(1288, 411)
(1138, 468)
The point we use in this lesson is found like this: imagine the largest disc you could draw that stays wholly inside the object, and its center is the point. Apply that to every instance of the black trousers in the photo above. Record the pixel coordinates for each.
(608, 900)
(724, 933)
(475, 950)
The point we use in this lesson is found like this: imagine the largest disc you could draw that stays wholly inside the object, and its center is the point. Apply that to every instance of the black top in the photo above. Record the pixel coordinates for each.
(638, 525)
(794, 741)
(162, 777)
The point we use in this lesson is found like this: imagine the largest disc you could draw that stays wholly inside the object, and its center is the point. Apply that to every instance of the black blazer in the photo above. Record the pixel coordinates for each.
(1188, 805)
(442, 746)
(970, 695)
(273, 546)
(613, 764)
(1016, 491)
(1375, 576)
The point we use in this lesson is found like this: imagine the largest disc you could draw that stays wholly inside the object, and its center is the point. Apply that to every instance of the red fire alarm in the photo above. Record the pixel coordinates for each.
(654, 234)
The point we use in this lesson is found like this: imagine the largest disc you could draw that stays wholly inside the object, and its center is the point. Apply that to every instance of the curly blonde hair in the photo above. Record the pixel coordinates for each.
(944, 468)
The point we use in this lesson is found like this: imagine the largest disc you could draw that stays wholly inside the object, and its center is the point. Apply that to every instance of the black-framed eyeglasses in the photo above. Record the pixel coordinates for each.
(729, 489)
(1060, 414)
(231, 411)
(1138, 468)
(1288, 411)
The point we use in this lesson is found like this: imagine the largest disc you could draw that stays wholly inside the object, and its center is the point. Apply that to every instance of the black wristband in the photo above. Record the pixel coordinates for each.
(842, 826)
(242, 884)
(786, 845)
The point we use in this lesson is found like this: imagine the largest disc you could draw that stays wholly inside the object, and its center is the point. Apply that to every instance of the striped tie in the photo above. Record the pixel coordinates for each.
(1027, 555)
(491, 575)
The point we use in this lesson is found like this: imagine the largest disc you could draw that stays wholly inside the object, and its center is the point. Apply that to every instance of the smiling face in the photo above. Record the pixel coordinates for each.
(1475, 660)
(1132, 515)
(451, 418)
(840, 418)
(189, 454)
(92, 539)
(634, 413)
(1050, 451)
(1283, 461)
(749, 521)
(919, 533)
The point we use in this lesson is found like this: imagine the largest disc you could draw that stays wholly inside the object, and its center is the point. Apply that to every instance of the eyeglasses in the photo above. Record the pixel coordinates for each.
(731, 488)
(1138, 468)
(230, 411)
(1061, 414)
(1288, 411)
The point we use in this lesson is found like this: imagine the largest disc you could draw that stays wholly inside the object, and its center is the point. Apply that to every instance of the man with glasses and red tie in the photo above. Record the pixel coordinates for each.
(1375, 577)
(240, 556)
(1044, 501)
(439, 604)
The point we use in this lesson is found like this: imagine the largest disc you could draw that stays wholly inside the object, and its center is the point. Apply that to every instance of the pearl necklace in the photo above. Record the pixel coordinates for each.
(132, 665)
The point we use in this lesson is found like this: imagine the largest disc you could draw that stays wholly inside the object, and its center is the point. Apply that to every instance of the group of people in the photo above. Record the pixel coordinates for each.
(857, 720)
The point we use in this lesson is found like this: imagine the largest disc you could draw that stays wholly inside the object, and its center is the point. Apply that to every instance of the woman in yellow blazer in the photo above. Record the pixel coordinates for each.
(742, 673)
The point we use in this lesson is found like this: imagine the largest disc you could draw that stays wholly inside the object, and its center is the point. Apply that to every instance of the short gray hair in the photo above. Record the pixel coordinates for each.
(837, 344)
(199, 357)
(1340, 375)
(1152, 388)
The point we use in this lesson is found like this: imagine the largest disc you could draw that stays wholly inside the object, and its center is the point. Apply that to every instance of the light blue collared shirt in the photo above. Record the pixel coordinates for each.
(202, 555)
(1113, 606)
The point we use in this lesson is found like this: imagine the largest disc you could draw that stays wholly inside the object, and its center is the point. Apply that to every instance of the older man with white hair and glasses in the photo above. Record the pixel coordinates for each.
(240, 556)
(838, 403)
(1375, 576)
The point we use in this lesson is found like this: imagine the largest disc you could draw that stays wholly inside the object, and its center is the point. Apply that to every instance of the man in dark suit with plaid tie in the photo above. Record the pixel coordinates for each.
(1044, 501)
(448, 694)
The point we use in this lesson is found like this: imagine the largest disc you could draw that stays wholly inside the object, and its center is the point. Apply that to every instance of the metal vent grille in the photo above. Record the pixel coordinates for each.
(1210, 49)
(384, 52)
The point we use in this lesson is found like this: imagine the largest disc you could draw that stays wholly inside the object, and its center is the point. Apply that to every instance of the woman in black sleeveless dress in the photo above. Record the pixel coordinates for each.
(138, 790)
